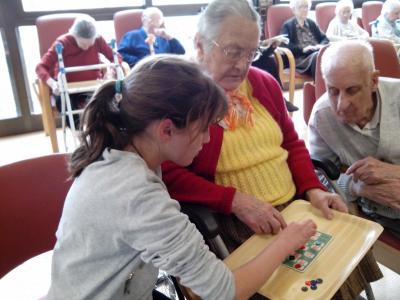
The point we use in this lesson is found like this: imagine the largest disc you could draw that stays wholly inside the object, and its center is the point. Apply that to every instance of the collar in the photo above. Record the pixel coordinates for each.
(374, 122)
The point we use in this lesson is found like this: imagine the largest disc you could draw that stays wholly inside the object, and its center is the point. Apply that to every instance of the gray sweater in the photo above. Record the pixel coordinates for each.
(118, 219)
(330, 138)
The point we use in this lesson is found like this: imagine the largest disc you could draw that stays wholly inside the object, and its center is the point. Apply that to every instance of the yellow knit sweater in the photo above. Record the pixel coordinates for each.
(252, 159)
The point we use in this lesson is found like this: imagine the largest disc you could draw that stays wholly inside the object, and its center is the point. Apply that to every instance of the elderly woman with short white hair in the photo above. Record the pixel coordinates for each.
(305, 37)
(387, 25)
(343, 26)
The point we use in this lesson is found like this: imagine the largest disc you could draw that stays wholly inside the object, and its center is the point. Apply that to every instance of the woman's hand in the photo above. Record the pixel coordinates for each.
(296, 234)
(261, 217)
(324, 201)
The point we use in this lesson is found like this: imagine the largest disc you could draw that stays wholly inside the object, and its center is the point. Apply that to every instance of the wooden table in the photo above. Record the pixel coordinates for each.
(352, 238)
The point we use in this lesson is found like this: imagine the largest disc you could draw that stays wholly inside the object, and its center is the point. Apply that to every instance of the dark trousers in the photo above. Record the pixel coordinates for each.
(78, 101)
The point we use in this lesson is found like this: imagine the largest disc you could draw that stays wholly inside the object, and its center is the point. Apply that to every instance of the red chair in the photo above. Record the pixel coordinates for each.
(32, 198)
(386, 61)
(49, 28)
(370, 11)
(276, 16)
(126, 20)
(324, 13)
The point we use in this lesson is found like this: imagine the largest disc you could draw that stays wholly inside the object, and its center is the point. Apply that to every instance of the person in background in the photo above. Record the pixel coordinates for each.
(305, 37)
(81, 46)
(152, 38)
(343, 27)
(387, 25)
(119, 224)
(266, 62)
(355, 124)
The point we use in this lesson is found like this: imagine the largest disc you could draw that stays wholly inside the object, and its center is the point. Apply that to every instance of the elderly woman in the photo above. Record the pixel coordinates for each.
(81, 46)
(305, 37)
(343, 27)
(387, 25)
(254, 164)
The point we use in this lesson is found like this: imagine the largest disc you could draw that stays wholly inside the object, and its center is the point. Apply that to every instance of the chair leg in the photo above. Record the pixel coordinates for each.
(369, 292)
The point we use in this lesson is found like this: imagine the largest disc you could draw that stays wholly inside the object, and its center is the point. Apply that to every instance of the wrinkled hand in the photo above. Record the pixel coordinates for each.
(261, 217)
(54, 86)
(372, 171)
(325, 201)
(296, 234)
(275, 41)
(385, 193)
(161, 32)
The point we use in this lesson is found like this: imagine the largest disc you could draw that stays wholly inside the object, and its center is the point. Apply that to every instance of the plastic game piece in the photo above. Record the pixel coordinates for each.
(308, 282)
(297, 266)
(319, 280)
(304, 289)
(313, 287)
(291, 257)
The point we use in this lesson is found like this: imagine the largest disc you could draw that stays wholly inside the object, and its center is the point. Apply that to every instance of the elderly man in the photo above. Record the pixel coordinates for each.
(152, 38)
(387, 24)
(356, 125)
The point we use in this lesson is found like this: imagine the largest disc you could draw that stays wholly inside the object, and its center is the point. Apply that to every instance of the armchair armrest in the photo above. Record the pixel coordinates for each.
(279, 51)
(308, 100)
(327, 166)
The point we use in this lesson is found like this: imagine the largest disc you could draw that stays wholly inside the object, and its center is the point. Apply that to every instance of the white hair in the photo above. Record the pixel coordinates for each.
(294, 3)
(351, 54)
(84, 27)
(149, 11)
(389, 6)
(343, 4)
(211, 18)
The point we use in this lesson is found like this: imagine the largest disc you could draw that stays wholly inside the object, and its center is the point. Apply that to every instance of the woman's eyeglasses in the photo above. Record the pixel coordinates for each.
(234, 53)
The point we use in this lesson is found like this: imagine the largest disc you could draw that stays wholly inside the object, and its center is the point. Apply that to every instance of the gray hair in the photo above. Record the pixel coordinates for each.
(389, 6)
(294, 3)
(343, 4)
(348, 54)
(84, 27)
(211, 18)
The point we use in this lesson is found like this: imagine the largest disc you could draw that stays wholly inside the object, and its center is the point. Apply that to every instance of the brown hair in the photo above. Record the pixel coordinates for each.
(158, 87)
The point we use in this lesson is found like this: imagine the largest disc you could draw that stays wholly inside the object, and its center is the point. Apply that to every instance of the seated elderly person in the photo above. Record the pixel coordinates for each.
(152, 38)
(355, 124)
(81, 46)
(305, 37)
(387, 25)
(343, 26)
(254, 164)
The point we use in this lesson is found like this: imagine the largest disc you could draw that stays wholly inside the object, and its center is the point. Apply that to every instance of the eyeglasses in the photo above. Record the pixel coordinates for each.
(234, 53)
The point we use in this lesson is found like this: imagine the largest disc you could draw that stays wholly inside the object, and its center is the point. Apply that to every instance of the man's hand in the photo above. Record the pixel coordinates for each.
(261, 217)
(373, 171)
(326, 201)
(161, 32)
(385, 193)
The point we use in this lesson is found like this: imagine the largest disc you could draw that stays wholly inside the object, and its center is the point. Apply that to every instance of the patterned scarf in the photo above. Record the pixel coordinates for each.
(240, 111)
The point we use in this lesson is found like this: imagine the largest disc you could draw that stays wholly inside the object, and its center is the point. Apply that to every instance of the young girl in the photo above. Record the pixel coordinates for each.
(119, 225)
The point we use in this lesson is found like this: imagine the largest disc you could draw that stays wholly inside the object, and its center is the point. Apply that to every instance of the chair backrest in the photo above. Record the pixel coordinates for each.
(276, 16)
(324, 13)
(50, 27)
(126, 20)
(32, 197)
(370, 10)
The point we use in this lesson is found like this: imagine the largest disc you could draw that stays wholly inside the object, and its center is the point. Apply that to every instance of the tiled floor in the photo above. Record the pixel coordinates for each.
(35, 144)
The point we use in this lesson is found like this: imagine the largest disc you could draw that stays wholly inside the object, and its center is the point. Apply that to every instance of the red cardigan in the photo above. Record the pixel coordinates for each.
(74, 56)
(196, 183)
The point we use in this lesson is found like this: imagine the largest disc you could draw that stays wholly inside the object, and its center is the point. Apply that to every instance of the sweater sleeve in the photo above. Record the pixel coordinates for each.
(195, 184)
(127, 49)
(46, 66)
(176, 47)
(167, 239)
(298, 159)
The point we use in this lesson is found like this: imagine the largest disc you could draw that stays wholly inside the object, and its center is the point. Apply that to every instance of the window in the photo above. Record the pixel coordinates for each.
(8, 108)
(40, 5)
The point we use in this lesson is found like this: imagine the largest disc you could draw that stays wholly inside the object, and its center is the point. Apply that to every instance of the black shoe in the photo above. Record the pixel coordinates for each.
(291, 107)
